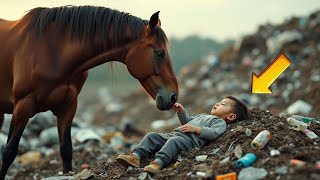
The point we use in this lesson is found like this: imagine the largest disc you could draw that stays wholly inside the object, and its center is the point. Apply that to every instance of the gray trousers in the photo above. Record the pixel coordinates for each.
(166, 146)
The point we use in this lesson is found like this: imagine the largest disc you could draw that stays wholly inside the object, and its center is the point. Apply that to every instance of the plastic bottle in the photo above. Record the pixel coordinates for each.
(246, 160)
(318, 165)
(297, 162)
(117, 141)
(310, 134)
(306, 120)
(261, 140)
(296, 124)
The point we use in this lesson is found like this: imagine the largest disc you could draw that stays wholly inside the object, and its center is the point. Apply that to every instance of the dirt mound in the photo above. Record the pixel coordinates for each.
(291, 144)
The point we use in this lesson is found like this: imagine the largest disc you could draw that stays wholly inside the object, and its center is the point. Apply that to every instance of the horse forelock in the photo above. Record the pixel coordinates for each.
(161, 36)
(85, 22)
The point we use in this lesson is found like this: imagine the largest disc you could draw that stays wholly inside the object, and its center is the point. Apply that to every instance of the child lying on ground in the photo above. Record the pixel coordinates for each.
(195, 132)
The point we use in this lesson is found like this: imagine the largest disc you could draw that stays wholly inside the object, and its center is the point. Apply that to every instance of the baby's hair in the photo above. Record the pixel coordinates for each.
(240, 109)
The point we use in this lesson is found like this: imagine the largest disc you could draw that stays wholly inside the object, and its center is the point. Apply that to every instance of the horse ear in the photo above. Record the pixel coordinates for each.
(154, 20)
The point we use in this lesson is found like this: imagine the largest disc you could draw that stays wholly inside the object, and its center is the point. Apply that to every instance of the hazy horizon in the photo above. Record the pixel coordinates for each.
(218, 19)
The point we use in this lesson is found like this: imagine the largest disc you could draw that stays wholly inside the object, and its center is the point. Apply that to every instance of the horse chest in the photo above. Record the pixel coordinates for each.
(5, 82)
(6, 98)
(56, 97)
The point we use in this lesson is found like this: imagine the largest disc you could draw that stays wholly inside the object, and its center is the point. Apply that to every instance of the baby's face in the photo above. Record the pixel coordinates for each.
(223, 108)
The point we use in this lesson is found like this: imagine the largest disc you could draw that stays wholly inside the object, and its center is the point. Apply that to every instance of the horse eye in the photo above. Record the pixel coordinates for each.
(159, 54)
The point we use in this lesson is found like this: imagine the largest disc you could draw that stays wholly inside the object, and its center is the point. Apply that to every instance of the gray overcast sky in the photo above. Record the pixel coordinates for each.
(220, 19)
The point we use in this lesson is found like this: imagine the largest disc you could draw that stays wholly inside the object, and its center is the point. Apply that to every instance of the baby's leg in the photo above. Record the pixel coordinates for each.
(150, 144)
(172, 148)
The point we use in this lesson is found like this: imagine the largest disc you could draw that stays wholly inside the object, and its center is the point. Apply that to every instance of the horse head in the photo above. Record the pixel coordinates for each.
(148, 60)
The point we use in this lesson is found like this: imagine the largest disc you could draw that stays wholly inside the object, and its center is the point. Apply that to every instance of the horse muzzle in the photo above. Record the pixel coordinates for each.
(165, 100)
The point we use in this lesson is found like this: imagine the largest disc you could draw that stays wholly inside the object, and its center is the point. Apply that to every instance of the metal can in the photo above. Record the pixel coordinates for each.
(261, 140)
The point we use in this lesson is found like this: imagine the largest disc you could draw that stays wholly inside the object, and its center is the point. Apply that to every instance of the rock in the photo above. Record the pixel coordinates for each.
(201, 158)
(203, 169)
(3, 142)
(274, 152)
(31, 157)
(114, 106)
(238, 151)
(6, 123)
(176, 164)
(252, 173)
(158, 124)
(214, 151)
(248, 132)
(143, 176)
(49, 137)
(58, 178)
(201, 174)
(225, 160)
(85, 135)
(200, 167)
(299, 106)
(282, 170)
(129, 169)
(163, 123)
(42, 121)
(23, 143)
(84, 174)
(180, 158)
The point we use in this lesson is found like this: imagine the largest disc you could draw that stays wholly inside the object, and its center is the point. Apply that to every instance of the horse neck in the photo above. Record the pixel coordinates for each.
(101, 57)
(100, 54)
(115, 54)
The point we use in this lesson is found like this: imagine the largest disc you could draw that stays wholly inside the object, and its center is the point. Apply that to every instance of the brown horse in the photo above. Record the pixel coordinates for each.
(45, 56)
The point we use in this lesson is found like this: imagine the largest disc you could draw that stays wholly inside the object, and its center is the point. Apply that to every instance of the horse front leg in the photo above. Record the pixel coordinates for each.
(24, 109)
(64, 117)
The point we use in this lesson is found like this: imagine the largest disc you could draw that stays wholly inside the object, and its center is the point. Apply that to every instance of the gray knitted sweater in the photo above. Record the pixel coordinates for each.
(211, 127)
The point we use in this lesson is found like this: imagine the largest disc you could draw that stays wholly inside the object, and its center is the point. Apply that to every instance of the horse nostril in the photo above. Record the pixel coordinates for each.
(173, 98)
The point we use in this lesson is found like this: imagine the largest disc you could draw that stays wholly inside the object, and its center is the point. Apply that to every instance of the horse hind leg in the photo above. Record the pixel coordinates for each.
(21, 114)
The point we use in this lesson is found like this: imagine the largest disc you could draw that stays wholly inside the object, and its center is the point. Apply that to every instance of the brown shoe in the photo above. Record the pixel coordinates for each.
(128, 160)
(153, 168)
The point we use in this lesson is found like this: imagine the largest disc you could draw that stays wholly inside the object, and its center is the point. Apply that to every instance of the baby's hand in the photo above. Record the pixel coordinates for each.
(191, 129)
(178, 107)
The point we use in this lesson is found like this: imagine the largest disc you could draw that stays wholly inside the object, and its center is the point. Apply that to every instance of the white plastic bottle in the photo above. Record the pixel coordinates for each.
(296, 124)
(310, 134)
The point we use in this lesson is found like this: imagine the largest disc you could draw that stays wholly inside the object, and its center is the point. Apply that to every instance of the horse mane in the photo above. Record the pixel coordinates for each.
(84, 22)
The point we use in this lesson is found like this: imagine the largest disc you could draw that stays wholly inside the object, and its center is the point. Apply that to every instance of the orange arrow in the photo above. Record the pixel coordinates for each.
(261, 83)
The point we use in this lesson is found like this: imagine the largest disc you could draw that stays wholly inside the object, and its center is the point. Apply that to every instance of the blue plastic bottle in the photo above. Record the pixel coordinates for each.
(246, 160)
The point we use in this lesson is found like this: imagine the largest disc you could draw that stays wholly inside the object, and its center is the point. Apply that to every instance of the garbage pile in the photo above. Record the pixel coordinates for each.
(288, 119)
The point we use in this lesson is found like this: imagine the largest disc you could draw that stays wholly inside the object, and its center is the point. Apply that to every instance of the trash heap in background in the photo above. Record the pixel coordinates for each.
(279, 141)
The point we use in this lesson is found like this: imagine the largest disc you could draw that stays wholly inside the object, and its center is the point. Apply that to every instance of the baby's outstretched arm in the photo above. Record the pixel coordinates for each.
(178, 107)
